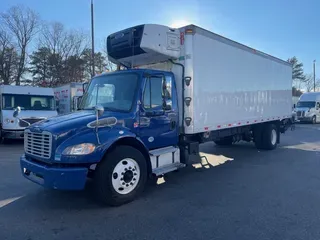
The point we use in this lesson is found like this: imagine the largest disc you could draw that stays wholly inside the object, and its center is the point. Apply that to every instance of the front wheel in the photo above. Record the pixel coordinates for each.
(121, 176)
(314, 120)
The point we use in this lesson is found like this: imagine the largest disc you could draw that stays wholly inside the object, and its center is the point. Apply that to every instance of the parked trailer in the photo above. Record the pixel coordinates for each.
(36, 104)
(67, 97)
(182, 87)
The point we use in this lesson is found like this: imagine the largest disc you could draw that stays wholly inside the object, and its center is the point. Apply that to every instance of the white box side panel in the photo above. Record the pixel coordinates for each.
(62, 94)
(234, 87)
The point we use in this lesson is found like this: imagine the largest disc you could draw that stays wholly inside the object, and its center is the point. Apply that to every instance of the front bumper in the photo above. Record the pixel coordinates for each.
(64, 178)
(304, 119)
(12, 134)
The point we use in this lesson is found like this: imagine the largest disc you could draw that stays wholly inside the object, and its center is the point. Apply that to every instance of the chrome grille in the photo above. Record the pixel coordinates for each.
(300, 113)
(25, 121)
(38, 144)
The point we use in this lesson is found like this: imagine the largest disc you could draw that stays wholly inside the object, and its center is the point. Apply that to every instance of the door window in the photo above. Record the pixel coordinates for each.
(152, 96)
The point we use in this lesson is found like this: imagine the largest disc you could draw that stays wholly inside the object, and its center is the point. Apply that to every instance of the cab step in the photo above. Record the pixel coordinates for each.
(167, 168)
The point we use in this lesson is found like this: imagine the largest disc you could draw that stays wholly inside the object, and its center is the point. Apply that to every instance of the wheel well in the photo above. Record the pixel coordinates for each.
(130, 141)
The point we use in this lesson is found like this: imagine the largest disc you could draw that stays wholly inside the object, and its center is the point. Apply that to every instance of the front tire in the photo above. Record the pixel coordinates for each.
(314, 120)
(121, 176)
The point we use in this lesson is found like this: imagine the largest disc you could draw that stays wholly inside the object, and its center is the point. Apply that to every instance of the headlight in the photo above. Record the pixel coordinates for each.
(8, 120)
(80, 149)
(309, 113)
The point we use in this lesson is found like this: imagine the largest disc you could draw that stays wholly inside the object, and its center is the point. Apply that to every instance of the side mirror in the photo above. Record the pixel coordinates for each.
(99, 110)
(16, 112)
(84, 86)
(167, 105)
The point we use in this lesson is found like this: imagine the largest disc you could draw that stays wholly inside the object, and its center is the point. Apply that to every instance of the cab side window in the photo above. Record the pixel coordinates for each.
(152, 96)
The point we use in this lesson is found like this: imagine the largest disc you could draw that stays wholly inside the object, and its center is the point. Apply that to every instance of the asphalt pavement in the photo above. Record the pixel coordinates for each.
(236, 193)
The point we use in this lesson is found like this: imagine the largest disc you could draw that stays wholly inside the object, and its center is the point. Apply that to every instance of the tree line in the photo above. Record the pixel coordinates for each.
(33, 52)
(300, 80)
(37, 53)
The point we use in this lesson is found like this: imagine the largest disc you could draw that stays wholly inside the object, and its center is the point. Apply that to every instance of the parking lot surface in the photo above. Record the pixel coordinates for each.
(236, 193)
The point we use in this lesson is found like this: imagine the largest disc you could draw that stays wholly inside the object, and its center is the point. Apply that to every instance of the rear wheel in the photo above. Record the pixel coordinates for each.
(266, 137)
(121, 176)
(226, 141)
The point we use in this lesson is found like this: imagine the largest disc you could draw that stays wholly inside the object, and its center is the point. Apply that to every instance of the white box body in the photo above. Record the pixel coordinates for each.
(64, 96)
(231, 84)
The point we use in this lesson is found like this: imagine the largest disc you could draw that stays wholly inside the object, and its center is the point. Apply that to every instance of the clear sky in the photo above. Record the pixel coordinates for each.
(282, 28)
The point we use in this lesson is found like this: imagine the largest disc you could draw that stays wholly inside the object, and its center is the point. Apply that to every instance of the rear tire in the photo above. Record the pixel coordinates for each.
(267, 137)
(121, 176)
(226, 141)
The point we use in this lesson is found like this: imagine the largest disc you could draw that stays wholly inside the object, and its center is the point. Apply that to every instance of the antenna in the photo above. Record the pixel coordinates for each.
(92, 41)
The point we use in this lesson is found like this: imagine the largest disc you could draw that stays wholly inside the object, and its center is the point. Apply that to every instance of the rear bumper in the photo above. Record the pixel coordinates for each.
(12, 134)
(53, 177)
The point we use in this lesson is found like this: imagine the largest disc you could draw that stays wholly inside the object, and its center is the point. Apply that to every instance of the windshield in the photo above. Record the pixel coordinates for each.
(306, 104)
(113, 92)
(27, 102)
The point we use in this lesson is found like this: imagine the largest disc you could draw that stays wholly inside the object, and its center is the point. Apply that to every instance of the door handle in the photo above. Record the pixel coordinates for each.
(172, 124)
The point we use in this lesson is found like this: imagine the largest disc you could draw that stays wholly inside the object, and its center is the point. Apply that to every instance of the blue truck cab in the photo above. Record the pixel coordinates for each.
(124, 116)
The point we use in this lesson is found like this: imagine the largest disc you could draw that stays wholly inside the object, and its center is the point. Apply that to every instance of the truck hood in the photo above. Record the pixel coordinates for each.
(70, 118)
(79, 127)
(65, 126)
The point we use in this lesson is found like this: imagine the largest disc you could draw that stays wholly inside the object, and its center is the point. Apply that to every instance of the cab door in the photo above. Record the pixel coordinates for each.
(159, 112)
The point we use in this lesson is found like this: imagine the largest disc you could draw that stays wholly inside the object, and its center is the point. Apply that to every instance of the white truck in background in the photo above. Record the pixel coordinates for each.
(308, 107)
(36, 104)
(67, 97)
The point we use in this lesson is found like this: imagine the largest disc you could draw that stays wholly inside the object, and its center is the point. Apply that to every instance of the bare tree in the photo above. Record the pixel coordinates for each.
(53, 37)
(309, 83)
(65, 49)
(64, 42)
(8, 59)
(22, 24)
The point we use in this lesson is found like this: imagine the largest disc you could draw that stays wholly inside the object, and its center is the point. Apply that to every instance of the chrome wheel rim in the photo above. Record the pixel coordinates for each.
(125, 176)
